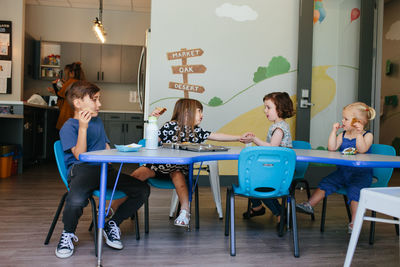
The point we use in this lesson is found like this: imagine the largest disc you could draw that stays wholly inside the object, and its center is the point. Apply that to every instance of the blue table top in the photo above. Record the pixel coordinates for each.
(165, 155)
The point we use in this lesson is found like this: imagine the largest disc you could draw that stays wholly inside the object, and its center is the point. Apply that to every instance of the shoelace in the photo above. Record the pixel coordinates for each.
(66, 240)
(114, 230)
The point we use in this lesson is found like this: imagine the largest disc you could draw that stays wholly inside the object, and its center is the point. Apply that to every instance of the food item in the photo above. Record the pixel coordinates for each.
(160, 110)
(349, 151)
(133, 145)
(354, 121)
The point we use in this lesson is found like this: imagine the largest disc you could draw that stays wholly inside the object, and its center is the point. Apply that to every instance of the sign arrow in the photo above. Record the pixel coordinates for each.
(181, 69)
(185, 53)
(186, 87)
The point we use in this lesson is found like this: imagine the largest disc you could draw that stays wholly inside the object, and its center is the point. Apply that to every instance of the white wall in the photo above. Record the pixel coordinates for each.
(75, 25)
(14, 11)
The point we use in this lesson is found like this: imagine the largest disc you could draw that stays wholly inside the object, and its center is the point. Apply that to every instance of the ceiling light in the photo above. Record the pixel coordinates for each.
(98, 26)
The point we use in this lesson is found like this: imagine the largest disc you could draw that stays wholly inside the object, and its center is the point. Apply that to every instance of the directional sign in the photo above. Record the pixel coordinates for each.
(188, 69)
(186, 87)
(185, 53)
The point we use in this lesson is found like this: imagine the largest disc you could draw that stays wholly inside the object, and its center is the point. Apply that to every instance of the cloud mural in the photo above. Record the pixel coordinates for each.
(394, 32)
(238, 13)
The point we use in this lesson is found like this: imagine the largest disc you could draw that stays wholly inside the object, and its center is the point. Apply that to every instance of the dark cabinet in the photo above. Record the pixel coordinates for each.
(102, 63)
(123, 128)
(39, 134)
(70, 52)
(130, 63)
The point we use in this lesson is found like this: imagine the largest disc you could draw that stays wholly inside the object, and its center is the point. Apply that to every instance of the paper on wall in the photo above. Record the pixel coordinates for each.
(3, 85)
(4, 39)
(5, 68)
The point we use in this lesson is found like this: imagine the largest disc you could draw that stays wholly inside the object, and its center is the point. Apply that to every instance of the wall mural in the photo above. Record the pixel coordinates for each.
(232, 77)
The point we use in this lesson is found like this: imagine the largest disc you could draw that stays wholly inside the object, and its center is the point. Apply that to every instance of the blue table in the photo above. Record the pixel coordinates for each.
(163, 156)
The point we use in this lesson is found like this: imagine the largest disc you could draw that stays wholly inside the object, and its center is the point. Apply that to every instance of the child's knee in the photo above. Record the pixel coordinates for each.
(143, 173)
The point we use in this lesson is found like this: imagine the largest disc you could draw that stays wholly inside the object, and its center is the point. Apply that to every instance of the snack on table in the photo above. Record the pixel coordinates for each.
(349, 151)
(354, 121)
(160, 110)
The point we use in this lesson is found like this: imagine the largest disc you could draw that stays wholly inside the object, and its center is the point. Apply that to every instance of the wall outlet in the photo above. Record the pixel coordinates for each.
(132, 96)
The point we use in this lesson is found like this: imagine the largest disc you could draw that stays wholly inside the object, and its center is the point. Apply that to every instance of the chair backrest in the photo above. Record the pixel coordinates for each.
(301, 167)
(265, 171)
(59, 154)
(142, 142)
(382, 175)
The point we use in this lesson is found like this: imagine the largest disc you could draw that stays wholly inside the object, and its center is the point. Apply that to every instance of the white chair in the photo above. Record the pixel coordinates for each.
(385, 200)
(215, 188)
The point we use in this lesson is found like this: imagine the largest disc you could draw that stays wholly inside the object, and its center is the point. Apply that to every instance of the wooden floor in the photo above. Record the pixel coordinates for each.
(28, 203)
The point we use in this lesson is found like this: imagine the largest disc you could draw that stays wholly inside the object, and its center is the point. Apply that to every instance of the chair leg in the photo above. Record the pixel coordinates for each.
(227, 211)
(232, 223)
(174, 204)
(396, 226)
(137, 226)
(372, 229)
(248, 205)
(197, 212)
(55, 219)
(347, 207)
(356, 232)
(281, 223)
(322, 228)
(146, 216)
(213, 173)
(288, 199)
(308, 194)
(294, 227)
(94, 222)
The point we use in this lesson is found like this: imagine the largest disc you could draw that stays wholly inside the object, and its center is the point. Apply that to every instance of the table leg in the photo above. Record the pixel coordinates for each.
(102, 205)
(190, 189)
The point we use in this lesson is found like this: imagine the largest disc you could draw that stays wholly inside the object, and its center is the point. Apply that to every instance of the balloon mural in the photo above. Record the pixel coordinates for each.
(355, 14)
(319, 11)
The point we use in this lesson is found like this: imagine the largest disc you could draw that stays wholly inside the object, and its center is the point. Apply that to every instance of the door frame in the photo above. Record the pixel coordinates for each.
(369, 63)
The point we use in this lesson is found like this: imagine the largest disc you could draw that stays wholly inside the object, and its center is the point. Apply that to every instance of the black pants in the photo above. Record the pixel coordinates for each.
(85, 178)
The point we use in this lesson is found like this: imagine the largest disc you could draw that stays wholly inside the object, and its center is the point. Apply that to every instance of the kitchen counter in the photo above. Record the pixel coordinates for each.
(121, 111)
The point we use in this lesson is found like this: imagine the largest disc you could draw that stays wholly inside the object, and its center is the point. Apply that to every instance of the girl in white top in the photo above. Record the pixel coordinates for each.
(278, 107)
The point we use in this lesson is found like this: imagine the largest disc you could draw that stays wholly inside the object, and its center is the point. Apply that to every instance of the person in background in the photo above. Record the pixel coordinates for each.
(72, 72)
(353, 179)
(278, 107)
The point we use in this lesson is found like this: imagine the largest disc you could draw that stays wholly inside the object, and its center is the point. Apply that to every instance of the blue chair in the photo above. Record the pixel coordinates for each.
(381, 178)
(59, 155)
(165, 184)
(264, 172)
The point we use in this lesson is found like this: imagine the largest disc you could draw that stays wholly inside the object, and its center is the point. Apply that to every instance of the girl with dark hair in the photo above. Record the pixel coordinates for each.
(278, 107)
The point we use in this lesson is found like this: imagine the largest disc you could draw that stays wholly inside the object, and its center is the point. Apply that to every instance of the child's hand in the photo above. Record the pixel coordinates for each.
(336, 126)
(247, 137)
(84, 117)
(157, 112)
(51, 90)
(358, 126)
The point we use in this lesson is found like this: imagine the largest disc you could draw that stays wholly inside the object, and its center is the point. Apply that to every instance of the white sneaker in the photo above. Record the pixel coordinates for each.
(65, 247)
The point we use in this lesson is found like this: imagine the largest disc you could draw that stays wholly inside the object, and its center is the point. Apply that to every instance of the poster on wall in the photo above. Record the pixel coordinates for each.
(5, 57)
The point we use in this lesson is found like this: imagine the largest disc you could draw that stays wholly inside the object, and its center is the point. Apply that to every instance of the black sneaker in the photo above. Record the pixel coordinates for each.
(305, 207)
(65, 247)
(112, 234)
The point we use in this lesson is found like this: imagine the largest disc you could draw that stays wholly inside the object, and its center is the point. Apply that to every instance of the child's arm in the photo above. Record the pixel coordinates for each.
(81, 146)
(223, 137)
(363, 143)
(334, 142)
(276, 139)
